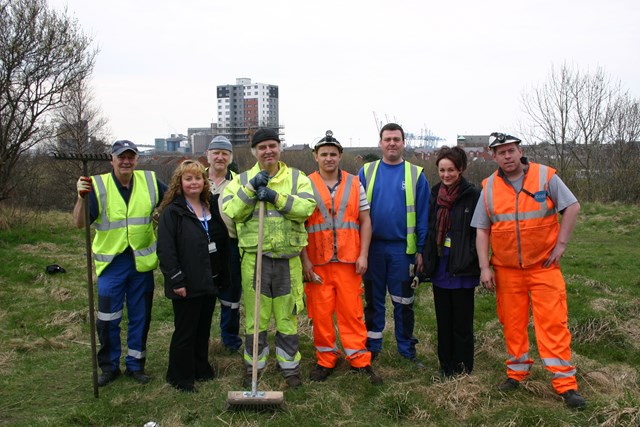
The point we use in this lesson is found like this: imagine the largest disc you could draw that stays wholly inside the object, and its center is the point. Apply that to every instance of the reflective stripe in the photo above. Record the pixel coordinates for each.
(305, 195)
(152, 187)
(176, 275)
(226, 199)
(327, 349)
(137, 354)
(374, 335)
(567, 374)
(520, 367)
(352, 352)
(285, 360)
(552, 361)
(103, 257)
(246, 199)
(146, 251)
(102, 190)
(288, 205)
(106, 317)
(402, 300)
(244, 178)
(523, 358)
(232, 305)
(295, 173)
(262, 358)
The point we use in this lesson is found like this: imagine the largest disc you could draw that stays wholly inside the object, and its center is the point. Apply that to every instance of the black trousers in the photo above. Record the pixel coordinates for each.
(189, 349)
(454, 315)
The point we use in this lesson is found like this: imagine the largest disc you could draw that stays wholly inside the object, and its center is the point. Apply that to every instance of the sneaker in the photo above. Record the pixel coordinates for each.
(320, 373)
(573, 399)
(139, 376)
(509, 385)
(108, 376)
(368, 370)
(293, 381)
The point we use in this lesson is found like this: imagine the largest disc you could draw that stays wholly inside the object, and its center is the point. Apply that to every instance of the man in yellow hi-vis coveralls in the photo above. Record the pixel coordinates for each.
(289, 200)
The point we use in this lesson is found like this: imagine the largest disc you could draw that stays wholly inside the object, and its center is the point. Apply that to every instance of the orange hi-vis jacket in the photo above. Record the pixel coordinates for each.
(524, 225)
(334, 226)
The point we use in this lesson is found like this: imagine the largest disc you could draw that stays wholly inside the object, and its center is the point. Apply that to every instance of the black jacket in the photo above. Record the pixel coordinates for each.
(183, 250)
(463, 258)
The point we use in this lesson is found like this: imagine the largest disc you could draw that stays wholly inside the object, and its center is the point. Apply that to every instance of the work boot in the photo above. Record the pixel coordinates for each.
(320, 373)
(374, 355)
(509, 385)
(293, 381)
(573, 399)
(368, 370)
(108, 376)
(417, 362)
(247, 381)
(139, 376)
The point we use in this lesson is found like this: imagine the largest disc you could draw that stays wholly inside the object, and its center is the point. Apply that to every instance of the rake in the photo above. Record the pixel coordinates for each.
(84, 158)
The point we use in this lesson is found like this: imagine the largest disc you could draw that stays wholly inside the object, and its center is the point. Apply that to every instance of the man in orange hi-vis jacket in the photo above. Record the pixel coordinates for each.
(517, 214)
(333, 263)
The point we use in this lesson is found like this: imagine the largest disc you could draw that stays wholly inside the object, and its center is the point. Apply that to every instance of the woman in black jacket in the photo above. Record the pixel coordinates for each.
(192, 248)
(451, 262)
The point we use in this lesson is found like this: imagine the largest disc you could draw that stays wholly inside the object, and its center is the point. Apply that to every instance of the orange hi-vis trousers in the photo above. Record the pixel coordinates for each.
(340, 293)
(544, 290)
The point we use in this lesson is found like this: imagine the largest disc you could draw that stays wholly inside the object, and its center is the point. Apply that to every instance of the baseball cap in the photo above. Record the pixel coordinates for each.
(220, 143)
(123, 145)
(328, 140)
(498, 138)
(264, 134)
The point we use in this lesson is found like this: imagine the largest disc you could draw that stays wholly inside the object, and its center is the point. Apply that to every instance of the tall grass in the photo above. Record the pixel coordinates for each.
(45, 364)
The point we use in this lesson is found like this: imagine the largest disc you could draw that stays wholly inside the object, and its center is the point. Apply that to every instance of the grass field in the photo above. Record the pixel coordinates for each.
(45, 358)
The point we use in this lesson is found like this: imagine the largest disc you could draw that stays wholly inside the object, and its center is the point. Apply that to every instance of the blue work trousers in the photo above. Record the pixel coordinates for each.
(389, 270)
(120, 282)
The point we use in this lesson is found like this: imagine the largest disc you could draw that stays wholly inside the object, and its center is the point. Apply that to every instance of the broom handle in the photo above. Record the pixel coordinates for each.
(256, 311)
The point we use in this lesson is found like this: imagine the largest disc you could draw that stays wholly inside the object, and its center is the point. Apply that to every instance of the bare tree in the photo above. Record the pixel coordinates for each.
(43, 54)
(550, 108)
(572, 117)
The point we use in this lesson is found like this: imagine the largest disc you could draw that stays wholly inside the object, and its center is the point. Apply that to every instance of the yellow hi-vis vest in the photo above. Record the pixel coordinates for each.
(411, 175)
(119, 226)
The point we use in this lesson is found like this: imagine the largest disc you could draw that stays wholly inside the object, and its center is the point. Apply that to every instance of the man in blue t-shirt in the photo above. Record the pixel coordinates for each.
(398, 193)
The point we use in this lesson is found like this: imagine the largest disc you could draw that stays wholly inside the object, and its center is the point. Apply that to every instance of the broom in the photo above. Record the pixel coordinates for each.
(254, 399)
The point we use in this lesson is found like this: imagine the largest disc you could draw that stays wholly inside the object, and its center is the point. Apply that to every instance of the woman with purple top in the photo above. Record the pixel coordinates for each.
(451, 262)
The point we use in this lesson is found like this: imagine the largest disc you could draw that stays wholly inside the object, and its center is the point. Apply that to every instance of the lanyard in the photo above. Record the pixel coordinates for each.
(203, 222)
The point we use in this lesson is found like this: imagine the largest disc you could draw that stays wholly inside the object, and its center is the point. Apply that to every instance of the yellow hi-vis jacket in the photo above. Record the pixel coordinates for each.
(119, 226)
(284, 232)
(411, 175)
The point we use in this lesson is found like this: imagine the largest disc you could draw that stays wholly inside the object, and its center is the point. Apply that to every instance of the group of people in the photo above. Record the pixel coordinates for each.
(331, 237)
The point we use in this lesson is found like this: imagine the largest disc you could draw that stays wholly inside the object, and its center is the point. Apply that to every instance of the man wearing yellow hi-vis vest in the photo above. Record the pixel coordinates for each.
(121, 205)
(398, 193)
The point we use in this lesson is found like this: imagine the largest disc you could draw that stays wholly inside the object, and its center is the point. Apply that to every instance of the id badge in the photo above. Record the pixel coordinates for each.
(212, 247)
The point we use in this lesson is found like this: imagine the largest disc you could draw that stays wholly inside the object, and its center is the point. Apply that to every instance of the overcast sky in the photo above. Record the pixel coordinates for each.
(454, 67)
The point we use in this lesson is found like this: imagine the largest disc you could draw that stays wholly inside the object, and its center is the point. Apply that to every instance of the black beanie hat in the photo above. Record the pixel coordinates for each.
(264, 134)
